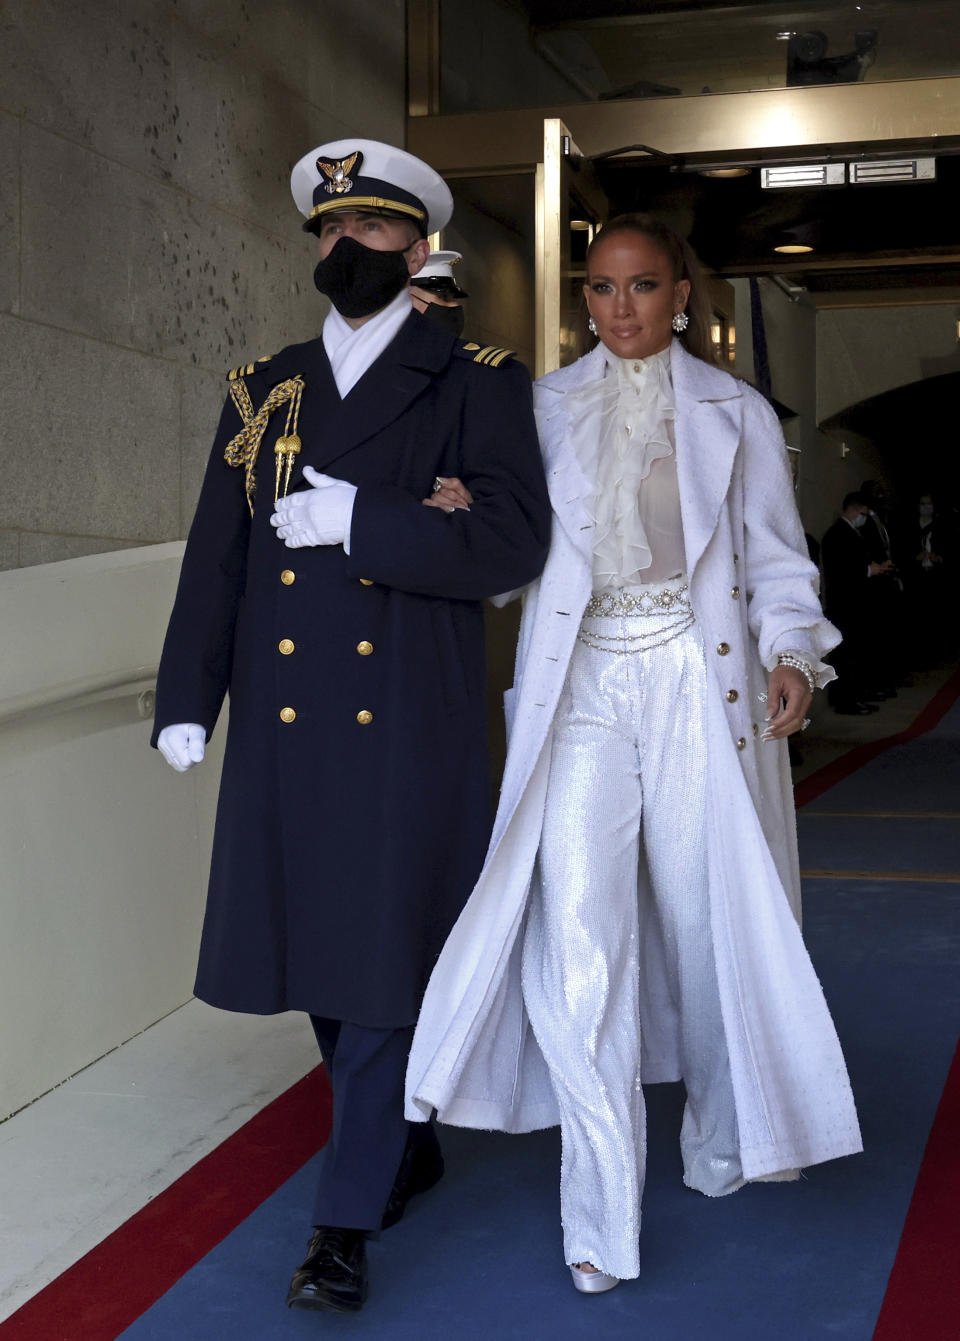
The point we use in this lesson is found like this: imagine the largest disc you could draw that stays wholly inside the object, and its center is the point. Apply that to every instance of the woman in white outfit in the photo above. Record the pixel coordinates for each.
(636, 916)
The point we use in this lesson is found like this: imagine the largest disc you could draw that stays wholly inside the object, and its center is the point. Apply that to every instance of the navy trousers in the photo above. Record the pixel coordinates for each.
(369, 1134)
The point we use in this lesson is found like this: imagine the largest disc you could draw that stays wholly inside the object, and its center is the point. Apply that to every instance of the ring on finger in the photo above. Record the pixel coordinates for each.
(438, 483)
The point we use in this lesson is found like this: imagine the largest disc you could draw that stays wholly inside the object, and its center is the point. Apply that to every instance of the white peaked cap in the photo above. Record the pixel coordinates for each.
(383, 178)
(439, 265)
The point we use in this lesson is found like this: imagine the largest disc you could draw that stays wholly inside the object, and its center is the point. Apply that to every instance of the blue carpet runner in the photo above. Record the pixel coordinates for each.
(481, 1257)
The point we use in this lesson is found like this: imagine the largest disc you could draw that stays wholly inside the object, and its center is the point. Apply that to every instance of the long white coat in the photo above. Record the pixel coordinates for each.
(474, 1057)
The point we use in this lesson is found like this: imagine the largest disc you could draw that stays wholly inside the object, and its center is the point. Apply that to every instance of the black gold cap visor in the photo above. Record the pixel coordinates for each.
(367, 194)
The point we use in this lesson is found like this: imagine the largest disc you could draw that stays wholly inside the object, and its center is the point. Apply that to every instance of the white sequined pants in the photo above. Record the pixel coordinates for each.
(628, 760)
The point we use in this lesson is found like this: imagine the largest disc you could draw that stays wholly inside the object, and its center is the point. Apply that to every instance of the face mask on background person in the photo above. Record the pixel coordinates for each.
(359, 280)
(926, 510)
(860, 520)
(450, 318)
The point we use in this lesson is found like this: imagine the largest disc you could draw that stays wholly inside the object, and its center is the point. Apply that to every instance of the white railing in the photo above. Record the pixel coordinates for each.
(89, 689)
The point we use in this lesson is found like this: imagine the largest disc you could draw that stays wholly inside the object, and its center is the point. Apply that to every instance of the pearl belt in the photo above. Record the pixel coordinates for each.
(664, 609)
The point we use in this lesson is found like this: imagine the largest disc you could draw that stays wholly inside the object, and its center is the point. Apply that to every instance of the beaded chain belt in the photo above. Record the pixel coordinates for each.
(669, 606)
(629, 601)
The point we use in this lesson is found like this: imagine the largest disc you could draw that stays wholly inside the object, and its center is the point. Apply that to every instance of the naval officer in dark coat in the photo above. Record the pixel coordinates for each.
(345, 620)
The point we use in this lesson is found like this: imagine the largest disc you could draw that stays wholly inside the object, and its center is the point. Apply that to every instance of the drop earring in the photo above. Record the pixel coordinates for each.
(592, 326)
(680, 322)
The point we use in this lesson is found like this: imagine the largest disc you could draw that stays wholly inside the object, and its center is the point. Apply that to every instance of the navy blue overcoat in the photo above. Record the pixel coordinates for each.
(350, 831)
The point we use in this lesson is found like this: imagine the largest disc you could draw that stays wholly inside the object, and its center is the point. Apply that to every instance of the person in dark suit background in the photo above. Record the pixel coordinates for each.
(848, 570)
(345, 620)
(927, 558)
(888, 666)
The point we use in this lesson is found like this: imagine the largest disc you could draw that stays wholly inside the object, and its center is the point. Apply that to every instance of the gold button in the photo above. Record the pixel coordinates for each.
(364, 717)
(742, 743)
(286, 646)
(735, 593)
(366, 581)
(723, 649)
(364, 648)
(756, 729)
(288, 577)
(732, 696)
(287, 715)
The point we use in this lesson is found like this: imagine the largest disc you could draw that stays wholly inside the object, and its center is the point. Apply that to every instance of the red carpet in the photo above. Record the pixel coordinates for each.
(103, 1293)
(922, 1302)
(817, 783)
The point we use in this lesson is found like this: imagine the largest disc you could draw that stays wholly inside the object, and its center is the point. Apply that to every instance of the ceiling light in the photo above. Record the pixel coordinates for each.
(798, 239)
(580, 225)
(724, 172)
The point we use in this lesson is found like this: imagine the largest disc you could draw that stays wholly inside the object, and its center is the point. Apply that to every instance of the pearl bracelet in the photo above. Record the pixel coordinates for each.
(785, 659)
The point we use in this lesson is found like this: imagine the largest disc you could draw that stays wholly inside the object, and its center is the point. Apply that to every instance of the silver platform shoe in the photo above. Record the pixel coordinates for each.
(592, 1282)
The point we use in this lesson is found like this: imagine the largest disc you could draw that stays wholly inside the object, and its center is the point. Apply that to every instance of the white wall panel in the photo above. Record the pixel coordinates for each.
(103, 848)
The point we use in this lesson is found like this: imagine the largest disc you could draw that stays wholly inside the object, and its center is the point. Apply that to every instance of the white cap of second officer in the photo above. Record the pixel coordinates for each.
(439, 269)
(369, 175)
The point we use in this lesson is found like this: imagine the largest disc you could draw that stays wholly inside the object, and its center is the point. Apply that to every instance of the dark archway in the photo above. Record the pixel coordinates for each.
(916, 428)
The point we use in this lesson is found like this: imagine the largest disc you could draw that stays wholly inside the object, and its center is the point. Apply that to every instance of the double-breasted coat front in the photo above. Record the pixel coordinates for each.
(753, 590)
(354, 803)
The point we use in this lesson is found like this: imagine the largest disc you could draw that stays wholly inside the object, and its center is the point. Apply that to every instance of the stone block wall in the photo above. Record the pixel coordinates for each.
(148, 241)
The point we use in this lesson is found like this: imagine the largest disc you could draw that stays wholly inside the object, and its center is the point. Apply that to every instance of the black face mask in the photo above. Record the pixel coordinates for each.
(359, 280)
(450, 318)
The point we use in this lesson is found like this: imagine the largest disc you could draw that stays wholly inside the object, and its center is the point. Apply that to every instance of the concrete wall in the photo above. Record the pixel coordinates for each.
(489, 60)
(828, 465)
(498, 273)
(864, 351)
(148, 240)
(147, 243)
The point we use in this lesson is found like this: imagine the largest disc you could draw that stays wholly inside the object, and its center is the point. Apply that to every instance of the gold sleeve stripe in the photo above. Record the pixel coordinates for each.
(499, 358)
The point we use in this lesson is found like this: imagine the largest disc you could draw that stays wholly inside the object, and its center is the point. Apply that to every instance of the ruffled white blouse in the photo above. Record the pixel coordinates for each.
(622, 433)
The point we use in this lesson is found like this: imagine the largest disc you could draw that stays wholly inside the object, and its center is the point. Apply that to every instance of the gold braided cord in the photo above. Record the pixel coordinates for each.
(244, 448)
(241, 399)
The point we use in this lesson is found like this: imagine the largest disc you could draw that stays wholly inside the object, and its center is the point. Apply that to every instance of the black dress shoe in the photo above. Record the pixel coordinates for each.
(420, 1168)
(333, 1275)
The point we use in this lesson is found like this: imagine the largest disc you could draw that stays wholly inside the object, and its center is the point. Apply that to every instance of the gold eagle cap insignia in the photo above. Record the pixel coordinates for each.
(337, 171)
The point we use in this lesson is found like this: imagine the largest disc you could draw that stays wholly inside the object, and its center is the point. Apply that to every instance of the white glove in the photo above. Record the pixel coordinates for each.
(182, 745)
(320, 515)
